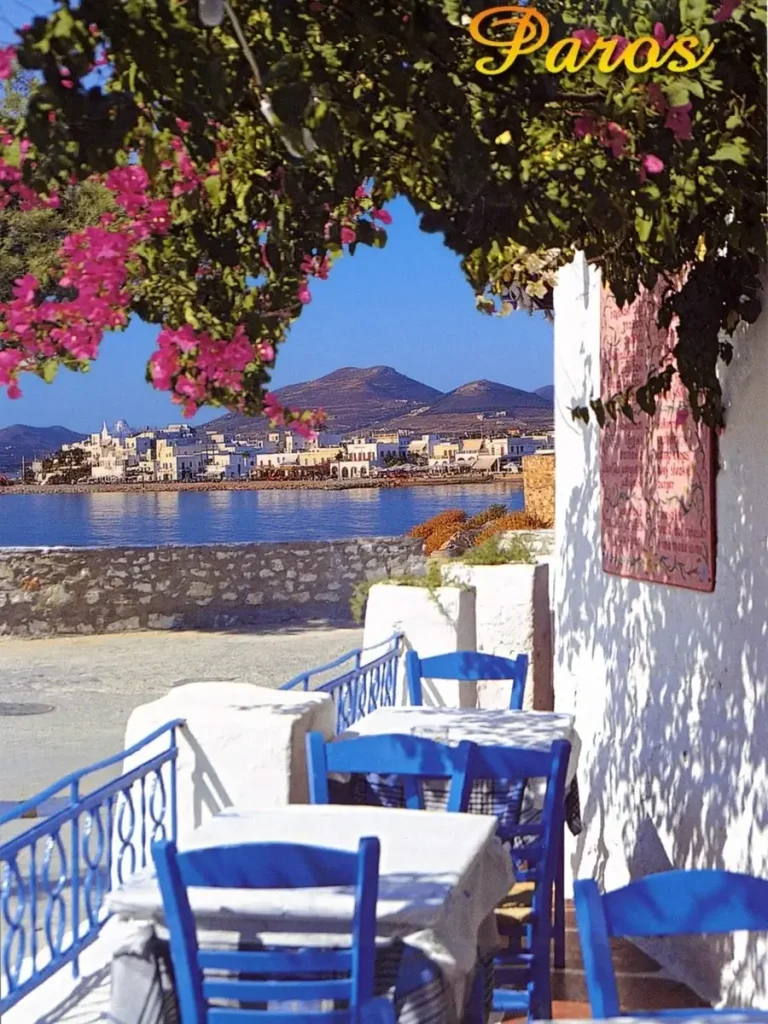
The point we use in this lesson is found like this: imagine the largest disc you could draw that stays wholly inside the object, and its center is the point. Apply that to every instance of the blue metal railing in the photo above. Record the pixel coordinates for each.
(52, 901)
(363, 680)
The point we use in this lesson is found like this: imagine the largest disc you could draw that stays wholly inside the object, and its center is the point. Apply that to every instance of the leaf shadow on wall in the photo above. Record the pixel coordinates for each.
(672, 694)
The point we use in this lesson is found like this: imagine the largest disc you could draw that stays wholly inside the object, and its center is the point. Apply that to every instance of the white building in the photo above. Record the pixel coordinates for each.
(231, 463)
(424, 446)
(669, 686)
(519, 447)
(179, 460)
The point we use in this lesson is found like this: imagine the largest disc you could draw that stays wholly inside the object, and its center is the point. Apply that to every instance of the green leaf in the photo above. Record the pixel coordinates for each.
(213, 188)
(50, 367)
(729, 151)
(677, 93)
(62, 24)
(643, 224)
(598, 409)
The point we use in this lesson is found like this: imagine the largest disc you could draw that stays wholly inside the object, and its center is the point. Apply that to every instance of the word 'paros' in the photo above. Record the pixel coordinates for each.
(531, 32)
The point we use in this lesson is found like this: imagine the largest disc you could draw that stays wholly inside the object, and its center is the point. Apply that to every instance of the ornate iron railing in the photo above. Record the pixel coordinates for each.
(55, 875)
(361, 681)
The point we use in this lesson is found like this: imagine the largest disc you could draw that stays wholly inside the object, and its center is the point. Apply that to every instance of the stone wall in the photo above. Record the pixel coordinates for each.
(108, 590)
(539, 487)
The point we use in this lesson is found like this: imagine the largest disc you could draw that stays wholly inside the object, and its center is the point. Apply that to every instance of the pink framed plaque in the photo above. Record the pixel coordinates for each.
(657, 494)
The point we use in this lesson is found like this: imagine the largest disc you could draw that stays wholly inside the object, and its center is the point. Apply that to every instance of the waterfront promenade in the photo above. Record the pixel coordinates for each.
(94, 683)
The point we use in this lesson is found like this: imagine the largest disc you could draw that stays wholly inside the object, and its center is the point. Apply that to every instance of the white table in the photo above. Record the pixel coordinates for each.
(440, 877)
(537, 730)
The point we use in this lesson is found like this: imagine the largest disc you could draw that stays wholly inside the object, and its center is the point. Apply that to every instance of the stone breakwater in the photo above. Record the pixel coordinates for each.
(380, 483)
(46, 591)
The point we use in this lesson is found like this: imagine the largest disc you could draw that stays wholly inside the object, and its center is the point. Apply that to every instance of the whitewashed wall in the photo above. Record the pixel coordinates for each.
(669, 687)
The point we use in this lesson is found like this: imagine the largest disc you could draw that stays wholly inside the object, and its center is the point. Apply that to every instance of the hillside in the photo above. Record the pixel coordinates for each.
(379, 397)
(547, 392)
(460, 410)
(22, 442)
(352, 398)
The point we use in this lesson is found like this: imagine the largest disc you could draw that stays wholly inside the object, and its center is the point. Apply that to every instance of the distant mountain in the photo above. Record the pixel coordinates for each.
(548, 392)
(460, 410)
(22, 442)
(352, 398)
(488, 397)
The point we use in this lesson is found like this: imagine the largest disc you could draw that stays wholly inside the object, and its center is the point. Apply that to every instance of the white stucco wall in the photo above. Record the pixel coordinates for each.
(431, 623)
(669, 687)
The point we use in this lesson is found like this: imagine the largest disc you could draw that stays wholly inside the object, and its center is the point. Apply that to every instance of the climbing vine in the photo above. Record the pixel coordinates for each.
(248, 154)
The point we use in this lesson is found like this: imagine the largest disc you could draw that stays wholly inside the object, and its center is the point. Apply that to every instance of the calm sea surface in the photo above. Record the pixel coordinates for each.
(209, 517)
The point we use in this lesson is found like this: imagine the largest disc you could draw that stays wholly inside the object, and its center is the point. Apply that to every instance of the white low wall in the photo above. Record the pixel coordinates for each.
(669, 687)
(431, 623)
(241, 744)
(512, 615)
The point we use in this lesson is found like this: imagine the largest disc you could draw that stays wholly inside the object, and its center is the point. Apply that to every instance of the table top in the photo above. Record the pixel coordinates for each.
(532, 729)
(430, 864)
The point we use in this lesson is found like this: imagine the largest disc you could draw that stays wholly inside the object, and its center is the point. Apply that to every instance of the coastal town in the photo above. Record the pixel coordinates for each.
(180, 453)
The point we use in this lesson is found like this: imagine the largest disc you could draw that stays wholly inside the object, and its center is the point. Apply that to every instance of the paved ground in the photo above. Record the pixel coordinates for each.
(93, 684)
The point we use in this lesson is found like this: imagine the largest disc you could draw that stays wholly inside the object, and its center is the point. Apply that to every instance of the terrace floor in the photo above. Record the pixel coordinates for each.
(642, 986)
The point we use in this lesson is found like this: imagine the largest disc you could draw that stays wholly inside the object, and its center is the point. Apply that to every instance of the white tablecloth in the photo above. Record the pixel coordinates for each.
(534, 729)
(440, 877)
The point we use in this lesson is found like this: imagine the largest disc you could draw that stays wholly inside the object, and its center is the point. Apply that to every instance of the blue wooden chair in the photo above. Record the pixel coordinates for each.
(473, 665)
(525, 915)
(664, 904)
(466, 666)
(258, 978)
(407, 759)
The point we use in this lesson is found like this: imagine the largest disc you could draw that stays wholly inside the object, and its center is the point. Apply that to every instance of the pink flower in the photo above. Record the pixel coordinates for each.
(587, 37)
(584, 125)
(620, 43)
(656, 97)
(661, 37)
(7, 55)
(725, 10)
(615, 138)
(653, 164)
(9, 360)
(679, 121)
(25, 288)
(266, 351)
(348, 236)
(14, 391)
(303, 293)
(650, 164)
(360, 192)
(383, 216)
(182, 125)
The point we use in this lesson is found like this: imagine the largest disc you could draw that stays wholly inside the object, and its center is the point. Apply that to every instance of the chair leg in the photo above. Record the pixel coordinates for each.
(559, 959)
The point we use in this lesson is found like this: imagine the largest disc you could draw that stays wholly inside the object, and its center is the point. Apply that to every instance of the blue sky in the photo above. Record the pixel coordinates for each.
(406, 306)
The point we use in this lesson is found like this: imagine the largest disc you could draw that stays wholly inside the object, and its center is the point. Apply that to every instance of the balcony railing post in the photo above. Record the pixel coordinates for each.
(172, 768)
(75, 869)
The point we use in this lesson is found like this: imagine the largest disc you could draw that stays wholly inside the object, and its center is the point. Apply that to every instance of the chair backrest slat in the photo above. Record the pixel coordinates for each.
(274, 975)
(411, 759)
(466, 666)
(705, 902)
